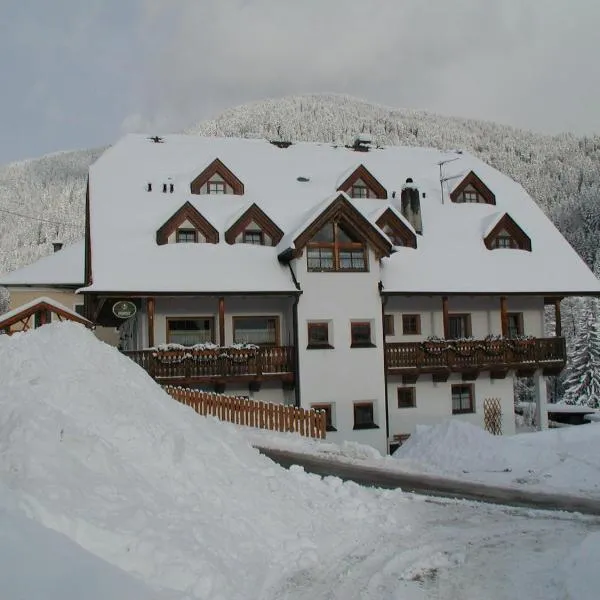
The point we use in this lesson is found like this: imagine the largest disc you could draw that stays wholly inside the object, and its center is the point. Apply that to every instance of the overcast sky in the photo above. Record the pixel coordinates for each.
(79, 73)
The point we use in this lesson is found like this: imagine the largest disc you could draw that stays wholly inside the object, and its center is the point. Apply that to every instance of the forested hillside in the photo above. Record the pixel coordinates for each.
(562, 173)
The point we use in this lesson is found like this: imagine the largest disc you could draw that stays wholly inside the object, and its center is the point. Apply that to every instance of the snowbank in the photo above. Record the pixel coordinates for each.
(566, 459)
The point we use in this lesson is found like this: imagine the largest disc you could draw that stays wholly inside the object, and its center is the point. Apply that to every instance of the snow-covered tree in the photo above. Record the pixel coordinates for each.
(4, 299)
(581, 378)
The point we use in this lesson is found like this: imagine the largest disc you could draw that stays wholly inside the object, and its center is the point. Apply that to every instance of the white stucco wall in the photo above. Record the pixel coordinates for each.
(343, 375)
(434, 403)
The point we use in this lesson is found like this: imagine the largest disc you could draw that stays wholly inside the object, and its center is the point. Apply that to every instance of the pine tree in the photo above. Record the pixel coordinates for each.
(4, 299)
(581, 379)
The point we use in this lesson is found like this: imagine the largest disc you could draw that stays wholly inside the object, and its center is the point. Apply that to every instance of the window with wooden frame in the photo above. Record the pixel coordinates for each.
(186, 236)
(359, 190)
(328, 410)
(506, 233)
(459, 326)
(514, 324)
(411, 324)
(407, 397)
(463, 399)
(503, 240)
(388, 325)
(335, 248)
(364, 416)
(262, 331)
(189, 331)
(215, 187)
(318, 335)
(253, 236)
(471, 197)
(360, 334)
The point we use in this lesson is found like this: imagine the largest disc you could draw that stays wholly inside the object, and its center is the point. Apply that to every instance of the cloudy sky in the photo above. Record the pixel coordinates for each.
(79, 73)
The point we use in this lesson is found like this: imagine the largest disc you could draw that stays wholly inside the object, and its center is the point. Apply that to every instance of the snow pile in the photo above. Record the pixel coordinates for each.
(454, 446)
(91, 447)
(582, 576)
(566, 459)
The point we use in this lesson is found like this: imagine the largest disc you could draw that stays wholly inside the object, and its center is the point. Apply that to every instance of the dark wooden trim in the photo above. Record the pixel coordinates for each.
(43, 308)
(187, 212)
(557, 318)
(342, 211)
(471, 395)
(389, 325)
(503, 316)
(361, 172)
(440, 376)
(411, 392)
(221, 321)
(398, 226)
(311, 325)
(442, 292)
(212, 294)
(472, 179)
(217, 167)
(150, 305)
(256, 214)
(410, 378)
(507, 223)
(405, 317)
(445, 317)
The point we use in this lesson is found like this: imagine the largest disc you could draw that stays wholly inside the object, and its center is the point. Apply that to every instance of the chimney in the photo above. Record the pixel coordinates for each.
(171, 188)
(411, 205)
(57, 246)
(164, 188)
(362, 142)
(149, 187)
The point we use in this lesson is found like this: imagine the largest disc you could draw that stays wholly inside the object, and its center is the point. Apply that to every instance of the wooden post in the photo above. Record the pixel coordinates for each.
(221, 321)
(150, 310)
(446, 318)
(43, 317)
(557, 321)
(503, 316)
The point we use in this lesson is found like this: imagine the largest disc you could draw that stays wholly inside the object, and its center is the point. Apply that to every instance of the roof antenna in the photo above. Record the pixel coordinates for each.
(442, 178)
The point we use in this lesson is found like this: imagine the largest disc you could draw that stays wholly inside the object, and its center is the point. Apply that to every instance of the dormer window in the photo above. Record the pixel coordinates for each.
(215, 187)
(335, 248)
(361, 184)
(359, 190)
(505, 233)
(186, 236)
(472, 190)
(397, 229)
(252, 236)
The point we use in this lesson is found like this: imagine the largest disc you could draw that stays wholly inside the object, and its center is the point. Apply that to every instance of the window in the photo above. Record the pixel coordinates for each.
(328, 409)
(80, 309)
(360, 334)
(318, 335)
(515, 324)
(359, 190)
(364, 417)
(388, 324)
(215, 187)
(503, 241)
(253, 237)
(462, 399)
(333, 248)
(470, 196)
(459, 326)
(186, 236)
(190, 331)
(262, 331)
(411, 324)
(406, 397)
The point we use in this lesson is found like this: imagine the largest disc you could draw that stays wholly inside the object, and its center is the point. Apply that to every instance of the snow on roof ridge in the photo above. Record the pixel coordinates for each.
(36, 301)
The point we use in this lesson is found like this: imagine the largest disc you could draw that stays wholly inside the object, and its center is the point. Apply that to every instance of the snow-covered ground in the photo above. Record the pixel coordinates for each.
(102, 472)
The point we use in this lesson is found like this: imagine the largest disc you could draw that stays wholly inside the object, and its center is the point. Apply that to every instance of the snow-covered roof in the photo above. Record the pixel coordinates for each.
(62, 268)
(48, 303)
(450, 257)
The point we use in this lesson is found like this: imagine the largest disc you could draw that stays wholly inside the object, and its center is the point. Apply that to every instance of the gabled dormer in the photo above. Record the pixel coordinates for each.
(505, 233)
(338, 240)
(397, 229)
(471, 190)
(217, 179)
(254, 227)
(187, 225)
(361, 184)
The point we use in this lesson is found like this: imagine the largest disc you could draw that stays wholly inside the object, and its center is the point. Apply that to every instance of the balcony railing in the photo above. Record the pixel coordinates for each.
(227, 364)
(477, 355)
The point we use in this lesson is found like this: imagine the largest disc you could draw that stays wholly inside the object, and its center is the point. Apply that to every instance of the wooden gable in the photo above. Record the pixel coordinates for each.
(344, 212)
(507, 224)
(361, 173)
(187, 213)
(216, 167)
(254, 214)
(398, 229)
(472, 181)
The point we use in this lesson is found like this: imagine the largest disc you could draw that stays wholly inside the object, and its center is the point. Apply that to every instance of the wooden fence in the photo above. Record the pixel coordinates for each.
(252, 413)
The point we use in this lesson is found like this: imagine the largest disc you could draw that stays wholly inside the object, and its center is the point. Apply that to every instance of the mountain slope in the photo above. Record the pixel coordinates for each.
(562, 173)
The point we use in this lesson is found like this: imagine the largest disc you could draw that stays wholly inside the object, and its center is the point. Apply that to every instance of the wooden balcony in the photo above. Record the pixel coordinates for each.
(470, 357)
(217, 366)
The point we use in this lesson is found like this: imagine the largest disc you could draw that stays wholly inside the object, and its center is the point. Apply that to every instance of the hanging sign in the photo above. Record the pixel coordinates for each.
(124, 309)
